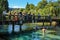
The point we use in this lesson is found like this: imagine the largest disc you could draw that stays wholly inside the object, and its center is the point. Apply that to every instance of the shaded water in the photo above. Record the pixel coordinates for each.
(31, 35)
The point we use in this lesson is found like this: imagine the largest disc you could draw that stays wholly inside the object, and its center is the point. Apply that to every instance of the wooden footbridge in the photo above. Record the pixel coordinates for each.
(16, 19)
(20, 20)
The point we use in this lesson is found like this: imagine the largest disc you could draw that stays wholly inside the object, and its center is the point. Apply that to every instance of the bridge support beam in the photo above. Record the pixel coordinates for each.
(43, 23)
(20, 27)
(13, 27)
(20, 23)
(50, 22)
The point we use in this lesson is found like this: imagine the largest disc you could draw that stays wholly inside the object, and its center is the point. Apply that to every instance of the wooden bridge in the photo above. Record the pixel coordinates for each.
(16, 19)
(20, 20)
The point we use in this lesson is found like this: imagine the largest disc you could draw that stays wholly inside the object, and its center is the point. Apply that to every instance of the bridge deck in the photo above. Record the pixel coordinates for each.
(30, 19)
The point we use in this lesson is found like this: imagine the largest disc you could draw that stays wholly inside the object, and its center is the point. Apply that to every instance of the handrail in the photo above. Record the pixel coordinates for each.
(10, 17)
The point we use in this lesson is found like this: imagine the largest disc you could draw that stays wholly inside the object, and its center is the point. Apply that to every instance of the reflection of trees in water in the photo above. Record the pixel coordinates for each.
(3, 28)
(29, 34)
(57, 30)
(53, 33)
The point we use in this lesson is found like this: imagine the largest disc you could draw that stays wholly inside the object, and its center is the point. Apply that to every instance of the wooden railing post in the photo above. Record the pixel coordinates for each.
(13, 27)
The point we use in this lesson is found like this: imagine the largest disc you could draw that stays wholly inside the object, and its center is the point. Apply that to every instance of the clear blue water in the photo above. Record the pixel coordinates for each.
(16, 28)
(33, 35)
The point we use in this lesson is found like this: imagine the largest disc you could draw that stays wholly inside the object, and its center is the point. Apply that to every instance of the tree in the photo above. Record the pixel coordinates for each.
(31, 6)
(42, 4)
(3, 5)
(21, 9)
(27, 7)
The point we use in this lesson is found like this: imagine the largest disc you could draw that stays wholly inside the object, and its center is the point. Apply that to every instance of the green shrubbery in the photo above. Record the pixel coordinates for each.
(43, 7)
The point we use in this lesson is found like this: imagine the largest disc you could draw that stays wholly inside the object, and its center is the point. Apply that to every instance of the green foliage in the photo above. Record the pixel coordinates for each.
(41, 4)
(3, 6)
(31, 6)
(43, 7)
(21, 9)
(27, 7)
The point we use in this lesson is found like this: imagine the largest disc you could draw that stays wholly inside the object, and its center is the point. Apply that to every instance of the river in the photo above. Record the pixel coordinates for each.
(51, 34)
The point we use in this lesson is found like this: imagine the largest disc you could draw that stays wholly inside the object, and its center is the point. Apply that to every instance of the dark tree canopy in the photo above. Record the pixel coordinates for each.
(3, 5)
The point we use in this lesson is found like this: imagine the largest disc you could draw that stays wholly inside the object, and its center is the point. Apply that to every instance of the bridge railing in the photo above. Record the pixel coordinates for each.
(17, 17)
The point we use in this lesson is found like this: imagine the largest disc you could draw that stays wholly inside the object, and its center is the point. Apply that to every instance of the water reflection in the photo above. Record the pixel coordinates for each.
(16, 28)
(34, 35)
(24, 27)
(10, 28)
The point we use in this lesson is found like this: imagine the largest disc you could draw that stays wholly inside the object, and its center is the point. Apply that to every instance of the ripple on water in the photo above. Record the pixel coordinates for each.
(29, 36)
